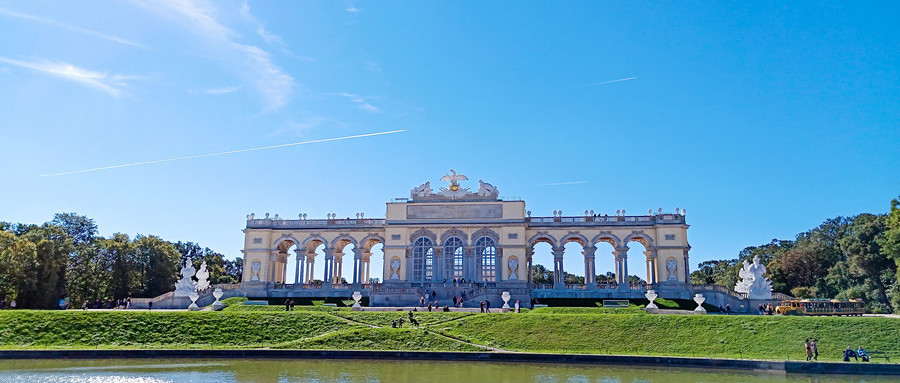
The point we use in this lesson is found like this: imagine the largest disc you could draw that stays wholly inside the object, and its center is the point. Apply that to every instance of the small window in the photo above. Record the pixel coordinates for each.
(395, 237)
(257, 240)
(512, 235)
(670, 237)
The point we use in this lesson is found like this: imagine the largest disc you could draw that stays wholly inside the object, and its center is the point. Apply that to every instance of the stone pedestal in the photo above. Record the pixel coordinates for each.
(356, 297)
(699, 298)
(651, 296)
(194, 296)
(217, 305)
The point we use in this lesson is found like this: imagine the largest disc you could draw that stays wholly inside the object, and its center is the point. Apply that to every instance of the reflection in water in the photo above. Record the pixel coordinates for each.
(371, 371)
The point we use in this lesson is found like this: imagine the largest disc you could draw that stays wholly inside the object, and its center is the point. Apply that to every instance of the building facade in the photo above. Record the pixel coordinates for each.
(441, 240)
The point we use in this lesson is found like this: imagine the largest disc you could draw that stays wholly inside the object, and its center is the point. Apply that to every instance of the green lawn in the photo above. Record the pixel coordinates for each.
(554, 330)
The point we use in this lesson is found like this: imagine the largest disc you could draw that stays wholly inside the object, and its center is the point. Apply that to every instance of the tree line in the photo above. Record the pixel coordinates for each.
(844, 257)
(66, 258)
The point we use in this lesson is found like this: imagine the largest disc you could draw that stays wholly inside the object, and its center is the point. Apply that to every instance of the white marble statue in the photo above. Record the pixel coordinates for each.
(513, 269)
(254, 270)
(202, 278)
(505, 297)
(671, 267)
(423, 190)
(395, 267)
(356, 297)
(699, 299)
(186, 285)
(453, 190)
(651, 296)
(753, 282)
(487, 190)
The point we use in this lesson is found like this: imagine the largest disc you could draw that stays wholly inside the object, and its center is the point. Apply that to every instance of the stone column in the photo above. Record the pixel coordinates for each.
(469, 263)
(328, 276)
(499, 264)
(590, 279)
(621, 254)
(437, 267)
(558, 270)
(529, 255)
(365, 263)
(478, 259)
(310, 267)
(409, 265)
(687, 268)
(651, 265)
(357, 259)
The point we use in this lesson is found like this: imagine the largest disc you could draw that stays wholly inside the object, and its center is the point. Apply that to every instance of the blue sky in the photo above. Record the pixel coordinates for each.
(761, 119)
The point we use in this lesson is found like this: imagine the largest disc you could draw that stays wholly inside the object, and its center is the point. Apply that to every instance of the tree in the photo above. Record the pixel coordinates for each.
(540, 275)
(864, 255)
(124, 272)
(235, 270)
(159, 261)
(890, 244)
(41, 266)
(81, 229)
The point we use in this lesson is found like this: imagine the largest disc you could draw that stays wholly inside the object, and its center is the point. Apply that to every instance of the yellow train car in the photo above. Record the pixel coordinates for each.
(849, 307)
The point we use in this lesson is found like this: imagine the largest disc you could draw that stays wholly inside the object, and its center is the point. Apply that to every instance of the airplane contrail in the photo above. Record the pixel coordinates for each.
(566, 183)
(221, 153)
(611, 81)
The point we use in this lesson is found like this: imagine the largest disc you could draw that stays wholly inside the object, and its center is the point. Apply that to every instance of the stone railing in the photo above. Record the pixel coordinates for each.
(628, 220)
(313, 223)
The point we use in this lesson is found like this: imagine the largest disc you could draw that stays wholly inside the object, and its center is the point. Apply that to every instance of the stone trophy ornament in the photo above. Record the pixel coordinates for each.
(202, 278)
(513, 269)
(186, 285)
(752, 282)
(487, 190)
(423, 190)
(699, 299)
(671, 267)
(395, 267)
(453, 190)
(356, 297)
(505, 296)
(254, 270)
(218, 305)
(194, 296)
(651, 296)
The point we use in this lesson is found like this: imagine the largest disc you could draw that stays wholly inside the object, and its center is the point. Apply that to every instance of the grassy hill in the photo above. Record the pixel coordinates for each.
(582, 330)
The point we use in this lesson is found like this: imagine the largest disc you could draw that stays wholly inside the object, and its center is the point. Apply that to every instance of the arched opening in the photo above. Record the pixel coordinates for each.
(637, 263)
(573, 263)
(486, 256)
(374, 268)
(605, 263)
(313, 272)
(285, 256)
(423, 260)
(454, 258)
(542, 271)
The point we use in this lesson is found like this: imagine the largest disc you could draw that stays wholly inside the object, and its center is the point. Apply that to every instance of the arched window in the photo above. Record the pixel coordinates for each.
(423, 259)
(486, 248)
(453, 255)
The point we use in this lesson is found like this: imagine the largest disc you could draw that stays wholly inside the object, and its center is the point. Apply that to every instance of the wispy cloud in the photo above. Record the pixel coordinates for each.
(224, 90)
(222, 153)
(71, 28)
(565, 183)
(612, 81)
(109, 83)
(308, 123)
(358, 100)
(352, 8)
(269, 80)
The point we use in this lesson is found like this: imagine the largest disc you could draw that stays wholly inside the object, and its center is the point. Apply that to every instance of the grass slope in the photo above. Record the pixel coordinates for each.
(366, 338)
(762, 337)
(142, 329)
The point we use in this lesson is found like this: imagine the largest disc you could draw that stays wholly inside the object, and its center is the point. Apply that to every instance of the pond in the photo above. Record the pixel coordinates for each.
(371, 371)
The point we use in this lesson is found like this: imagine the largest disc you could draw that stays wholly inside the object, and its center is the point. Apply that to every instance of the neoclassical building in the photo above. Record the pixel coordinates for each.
(434, 238)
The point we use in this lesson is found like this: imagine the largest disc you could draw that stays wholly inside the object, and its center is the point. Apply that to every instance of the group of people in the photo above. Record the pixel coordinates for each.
(289, 304)
(857, 355)
(766, 309)
(107, 304)
(726, 310)
(4, 305)
(812, 349)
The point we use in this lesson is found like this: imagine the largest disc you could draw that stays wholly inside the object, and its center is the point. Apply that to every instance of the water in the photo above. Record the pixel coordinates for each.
(371, 371)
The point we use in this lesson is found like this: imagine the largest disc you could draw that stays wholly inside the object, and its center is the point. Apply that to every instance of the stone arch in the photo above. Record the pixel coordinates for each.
(371, 240)
(644, 239)
(575, 237)
(423, 232)
(313, 242)
(454, 232)
(485, 232)
(543, 237)
(341, 241)
(278, 245)
(609, 238)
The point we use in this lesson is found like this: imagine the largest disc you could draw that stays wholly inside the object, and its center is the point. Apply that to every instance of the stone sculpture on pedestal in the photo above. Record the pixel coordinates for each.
(505, 296)
(202, 278)
(218, 305)
(513, 269)
(752, 282)
(186, 285)
(356, 297)
(395, 267)
(194, 296)
(651, 296)
(699, 298)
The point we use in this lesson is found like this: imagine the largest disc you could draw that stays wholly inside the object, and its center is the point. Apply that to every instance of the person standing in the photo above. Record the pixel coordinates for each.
(815, 348)
(487, 306)
(292, 304)
(808, 347)
(517, 306)
(149, 305)
(482, 307)
(287, 305)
